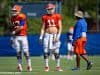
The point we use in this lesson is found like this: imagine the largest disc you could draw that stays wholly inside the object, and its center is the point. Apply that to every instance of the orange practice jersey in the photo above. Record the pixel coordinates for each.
(19, 18)
(51, 20)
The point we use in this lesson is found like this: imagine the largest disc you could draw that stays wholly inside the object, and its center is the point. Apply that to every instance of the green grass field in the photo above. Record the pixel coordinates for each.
(8, 67)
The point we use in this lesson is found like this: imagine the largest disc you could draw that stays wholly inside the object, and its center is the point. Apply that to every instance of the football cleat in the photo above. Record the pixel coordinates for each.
(29, 68)
(46, 69)
(75, 69)
(59, 69)
(89, 65)
(19, 68)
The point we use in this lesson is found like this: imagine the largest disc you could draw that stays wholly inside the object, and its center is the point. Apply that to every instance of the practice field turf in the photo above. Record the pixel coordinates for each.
(8, 66)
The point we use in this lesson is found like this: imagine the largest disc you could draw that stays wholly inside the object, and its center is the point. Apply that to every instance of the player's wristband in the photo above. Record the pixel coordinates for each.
(41, 37)
(13, 32)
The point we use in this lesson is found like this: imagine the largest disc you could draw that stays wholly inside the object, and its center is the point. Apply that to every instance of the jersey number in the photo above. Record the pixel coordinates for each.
(51, 22)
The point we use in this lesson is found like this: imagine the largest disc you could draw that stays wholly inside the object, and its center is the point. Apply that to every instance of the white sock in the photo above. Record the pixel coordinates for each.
(46, 62)
(20, 61)
(29, 62)
(58, 62)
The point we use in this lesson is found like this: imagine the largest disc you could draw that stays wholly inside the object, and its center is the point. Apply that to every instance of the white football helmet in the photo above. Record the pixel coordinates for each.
(50, 8)
(15, 10)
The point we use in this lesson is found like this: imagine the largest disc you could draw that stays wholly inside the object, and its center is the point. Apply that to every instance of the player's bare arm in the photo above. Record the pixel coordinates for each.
(59, 30)
(17, 29)
(41, 33)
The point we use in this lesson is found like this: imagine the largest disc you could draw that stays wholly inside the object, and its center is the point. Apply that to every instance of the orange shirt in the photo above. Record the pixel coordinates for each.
(51, 20)
(19, 18)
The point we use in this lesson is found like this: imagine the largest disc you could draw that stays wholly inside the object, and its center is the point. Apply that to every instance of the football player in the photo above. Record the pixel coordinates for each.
(19, 36)
(69, 43)
(51, 30)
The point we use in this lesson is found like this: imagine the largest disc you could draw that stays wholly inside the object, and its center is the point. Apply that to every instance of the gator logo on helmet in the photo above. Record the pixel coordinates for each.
(17, 8)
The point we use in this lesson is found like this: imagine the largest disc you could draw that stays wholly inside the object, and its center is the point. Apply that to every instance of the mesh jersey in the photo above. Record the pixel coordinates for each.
(51, 20)
(20, 17)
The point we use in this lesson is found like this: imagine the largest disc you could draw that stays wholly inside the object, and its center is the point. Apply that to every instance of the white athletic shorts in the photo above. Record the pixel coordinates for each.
(20, 43)
(50, 44)
(69, 46)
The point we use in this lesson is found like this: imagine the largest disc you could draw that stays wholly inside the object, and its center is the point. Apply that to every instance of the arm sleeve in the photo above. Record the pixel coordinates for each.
(22, 22)
(22, 19)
